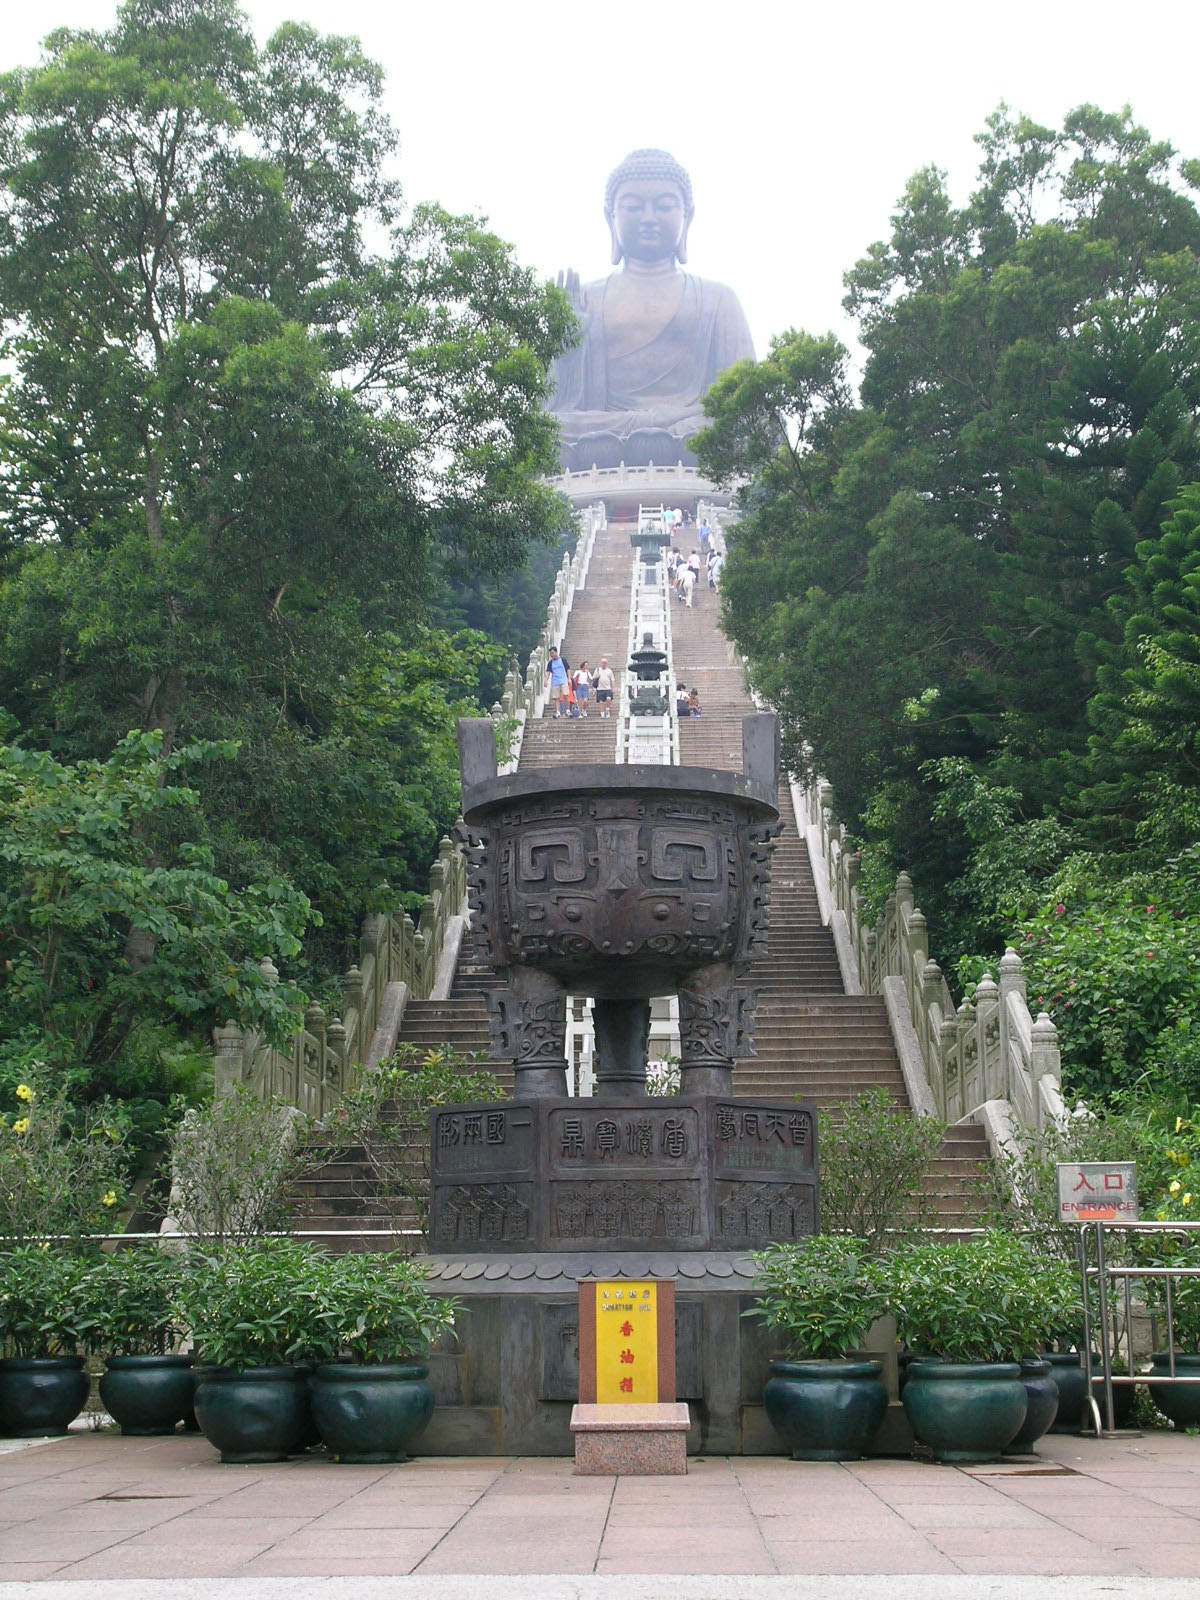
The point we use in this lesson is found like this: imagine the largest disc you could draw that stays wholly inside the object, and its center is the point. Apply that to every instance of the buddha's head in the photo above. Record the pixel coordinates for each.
(648, 205)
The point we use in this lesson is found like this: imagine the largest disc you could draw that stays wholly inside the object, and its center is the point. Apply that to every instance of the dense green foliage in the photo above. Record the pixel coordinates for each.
(63, 1168)
(973, 590)
(875, 1162)
(821, 1296)
(256, 417)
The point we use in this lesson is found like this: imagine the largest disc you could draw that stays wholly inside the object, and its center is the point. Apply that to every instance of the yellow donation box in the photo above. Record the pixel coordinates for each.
(626, 1343)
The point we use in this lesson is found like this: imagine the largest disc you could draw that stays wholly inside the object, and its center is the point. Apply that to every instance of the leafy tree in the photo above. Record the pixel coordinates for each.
(254, 406)
(96, 853)
(915, 573)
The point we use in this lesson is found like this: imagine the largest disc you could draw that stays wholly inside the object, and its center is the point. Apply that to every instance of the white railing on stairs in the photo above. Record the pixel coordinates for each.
(987, 1060)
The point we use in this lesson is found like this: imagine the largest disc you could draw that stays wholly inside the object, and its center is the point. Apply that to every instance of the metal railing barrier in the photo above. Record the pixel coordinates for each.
(1112, 1326)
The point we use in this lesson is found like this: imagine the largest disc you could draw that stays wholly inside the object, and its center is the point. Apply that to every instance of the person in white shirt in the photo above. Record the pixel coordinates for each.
(605, 681)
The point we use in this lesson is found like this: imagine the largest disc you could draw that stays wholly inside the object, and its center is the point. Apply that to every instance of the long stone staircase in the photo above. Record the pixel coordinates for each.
(813, 1041)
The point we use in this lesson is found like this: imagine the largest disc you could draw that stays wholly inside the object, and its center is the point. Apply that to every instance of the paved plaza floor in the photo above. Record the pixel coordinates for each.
(93, 1513)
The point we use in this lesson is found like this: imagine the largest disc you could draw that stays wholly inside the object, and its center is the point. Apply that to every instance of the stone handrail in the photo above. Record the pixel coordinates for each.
(986, 1060)
(398, 959)
(524, 698)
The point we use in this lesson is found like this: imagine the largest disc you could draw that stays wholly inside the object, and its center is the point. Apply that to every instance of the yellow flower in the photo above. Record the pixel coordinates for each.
(1161, 1215)
(110, 1199)
(1187, 1200)
(1175, 1186)
(1178, 1120)
(21, 1125)
(24, 1092)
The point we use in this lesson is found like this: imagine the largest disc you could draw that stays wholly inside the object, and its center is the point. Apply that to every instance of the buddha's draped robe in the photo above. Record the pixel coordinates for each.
(654, 391)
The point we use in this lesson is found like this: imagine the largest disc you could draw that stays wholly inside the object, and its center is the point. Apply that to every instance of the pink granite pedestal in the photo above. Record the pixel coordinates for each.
(635, 1441)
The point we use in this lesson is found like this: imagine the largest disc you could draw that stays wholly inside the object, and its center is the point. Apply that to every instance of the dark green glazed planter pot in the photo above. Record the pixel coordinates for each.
(965, 1411)
(1041, 1394)
(826, 1410)
(41, 1395)
(260, 1414)
(371, 1412)
(1181, 1405)
(1066, 1368)
(147, 1395)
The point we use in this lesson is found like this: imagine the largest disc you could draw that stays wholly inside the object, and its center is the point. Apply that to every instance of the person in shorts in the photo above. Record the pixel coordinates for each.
(605, 682)
(556, 681)
(581, 679)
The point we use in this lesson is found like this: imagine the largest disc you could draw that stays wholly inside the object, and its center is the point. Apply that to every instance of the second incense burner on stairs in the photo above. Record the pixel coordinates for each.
(622, 883)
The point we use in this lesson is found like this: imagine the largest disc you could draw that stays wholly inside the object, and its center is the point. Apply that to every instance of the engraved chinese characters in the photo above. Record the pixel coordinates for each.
(682, 1174)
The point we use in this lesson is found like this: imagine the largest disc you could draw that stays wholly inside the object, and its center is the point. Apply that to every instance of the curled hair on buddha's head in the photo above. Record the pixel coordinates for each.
(652, 164)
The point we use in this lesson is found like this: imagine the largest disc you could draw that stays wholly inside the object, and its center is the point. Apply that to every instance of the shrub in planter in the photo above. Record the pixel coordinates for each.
(371, 1396)
(131, 1299)
(251, 1309)
(822, 1296)
(43, 1321)
(969, 1312)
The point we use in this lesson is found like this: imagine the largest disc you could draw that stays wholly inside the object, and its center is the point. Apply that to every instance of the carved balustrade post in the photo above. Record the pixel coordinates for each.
(929, 996)
(1044, 1059)
(314, 1024)
(228, 1048)
(991, 1063)
(333, 1078)
(1012, 988)
(352, 1001)
(944, 1067)
(914, 952)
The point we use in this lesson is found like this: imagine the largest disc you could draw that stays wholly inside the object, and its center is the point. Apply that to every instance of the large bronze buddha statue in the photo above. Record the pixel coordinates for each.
(654, 336)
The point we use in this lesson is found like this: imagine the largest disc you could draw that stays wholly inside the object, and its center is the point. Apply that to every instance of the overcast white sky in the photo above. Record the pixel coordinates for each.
(799, 123)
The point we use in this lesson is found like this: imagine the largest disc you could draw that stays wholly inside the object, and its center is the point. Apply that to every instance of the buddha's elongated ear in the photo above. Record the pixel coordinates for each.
(681, 248)
(616, 254)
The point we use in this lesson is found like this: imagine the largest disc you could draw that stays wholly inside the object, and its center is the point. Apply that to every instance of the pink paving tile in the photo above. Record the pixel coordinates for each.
(749, 1562)
(470, 1558)
(1168, 1561)
(49, 1544)
(958, 1514)
(1134, 1526)
(832, 1557)
(372, 1543)
(28, 1571)
(435, 1514)
(271, 1565)
(1015, 1564)
(997, 1542)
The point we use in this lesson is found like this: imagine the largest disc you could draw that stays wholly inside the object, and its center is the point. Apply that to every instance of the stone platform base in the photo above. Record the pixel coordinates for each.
(631, 1441)
(506, 1381)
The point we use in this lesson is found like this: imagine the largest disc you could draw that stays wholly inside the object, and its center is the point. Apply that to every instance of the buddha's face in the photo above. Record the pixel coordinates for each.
(649, 220)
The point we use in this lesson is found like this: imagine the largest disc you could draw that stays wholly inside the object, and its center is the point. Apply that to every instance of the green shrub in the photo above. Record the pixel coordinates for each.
(131, 1300)
(62, 1165)
(873, 1165)
(989, 1299)
(44, 1309)
(254, 1304)
(235, 1164)
(822, 1295)
(378, 1308)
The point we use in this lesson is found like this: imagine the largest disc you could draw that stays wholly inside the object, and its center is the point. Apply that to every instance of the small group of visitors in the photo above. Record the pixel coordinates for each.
(687, 702)
(571, 691)
(683, 575)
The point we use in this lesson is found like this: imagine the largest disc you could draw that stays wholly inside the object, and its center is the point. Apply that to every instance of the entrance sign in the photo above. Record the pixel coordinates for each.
(626, 1342)
(1097, 1191)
